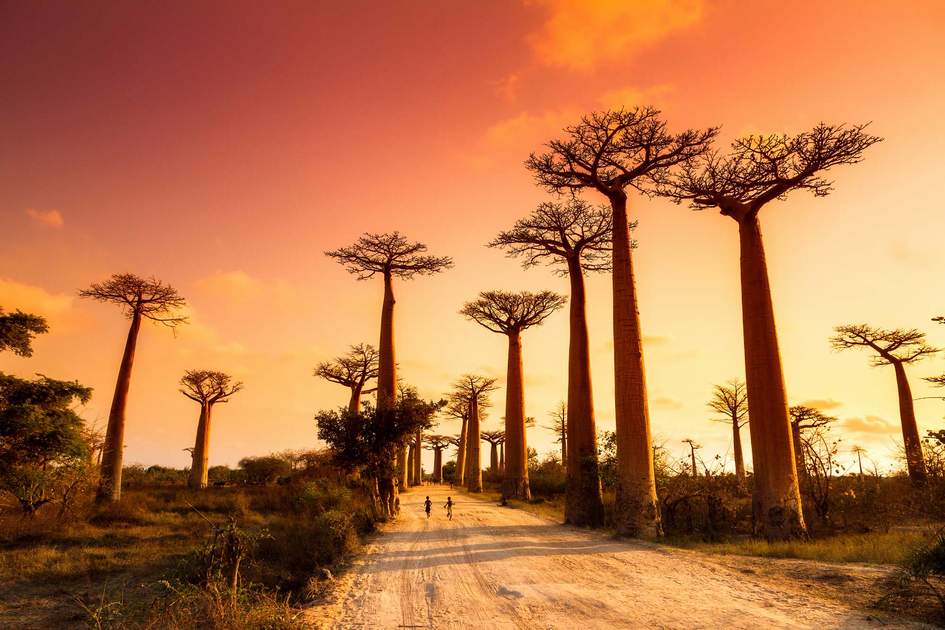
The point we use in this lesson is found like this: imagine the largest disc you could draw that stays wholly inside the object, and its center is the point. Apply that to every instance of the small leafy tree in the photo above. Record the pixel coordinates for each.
(42, 440)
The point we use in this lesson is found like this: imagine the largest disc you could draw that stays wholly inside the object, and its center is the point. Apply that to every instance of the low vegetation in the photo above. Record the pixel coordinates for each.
(232, 556)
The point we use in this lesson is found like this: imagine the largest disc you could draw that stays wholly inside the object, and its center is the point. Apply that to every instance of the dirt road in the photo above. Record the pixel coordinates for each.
(493, 567)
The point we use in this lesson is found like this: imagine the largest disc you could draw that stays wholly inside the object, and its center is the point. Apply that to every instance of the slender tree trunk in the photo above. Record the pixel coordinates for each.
(583, 504)
(737, 448)
(564, 445)
(502, 457)
(800, 462)
(354, 405)
(473, 448)
(695, 471)
(777, 498)
(915, 461)
(515, 483)
(109, 484)
(198, 468)
(493, 458)
(411, 455)
(636, 511)
(459, 476)
(418, 459)
(387, 394)
(438, 465)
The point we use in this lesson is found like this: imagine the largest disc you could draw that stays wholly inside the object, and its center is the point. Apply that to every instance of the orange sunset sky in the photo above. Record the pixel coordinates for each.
(224, 146)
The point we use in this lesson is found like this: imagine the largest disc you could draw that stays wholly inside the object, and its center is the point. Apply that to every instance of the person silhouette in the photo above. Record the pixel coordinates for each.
(449, 508)
(428, 505)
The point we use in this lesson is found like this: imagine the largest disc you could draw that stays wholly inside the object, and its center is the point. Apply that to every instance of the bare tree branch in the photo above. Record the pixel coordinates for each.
(389, 253)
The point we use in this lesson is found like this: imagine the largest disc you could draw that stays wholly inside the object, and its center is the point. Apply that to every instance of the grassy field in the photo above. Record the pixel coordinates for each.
(132, 565)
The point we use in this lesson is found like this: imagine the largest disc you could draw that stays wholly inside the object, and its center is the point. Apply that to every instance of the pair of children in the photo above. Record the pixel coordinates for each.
(428, 505)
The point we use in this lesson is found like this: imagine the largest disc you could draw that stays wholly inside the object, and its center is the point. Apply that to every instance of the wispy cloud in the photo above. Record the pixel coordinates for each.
(823, 404)
(47, 218)
(582, 35)
(870, 424)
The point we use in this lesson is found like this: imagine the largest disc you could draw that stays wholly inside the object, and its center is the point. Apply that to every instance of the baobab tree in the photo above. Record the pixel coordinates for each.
(731, 400)
(353, 370)
(804, 418)
(575, 237)
(693, 447)
(510, 314)
(559, 424)
(139, 298)
(207, 388)
(897, 347)
(17, 330)
(494, 438)
(437, 443)
(475, 390)
(758, 170)
(611, 151)
(458, 407)
(389, 255)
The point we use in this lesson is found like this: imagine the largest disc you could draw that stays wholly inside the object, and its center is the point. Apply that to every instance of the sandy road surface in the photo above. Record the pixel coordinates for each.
(493, 567)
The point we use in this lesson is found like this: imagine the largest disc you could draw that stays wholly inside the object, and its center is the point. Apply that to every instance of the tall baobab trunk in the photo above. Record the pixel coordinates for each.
(473, 446)
(695, 469)
(354, 405)
(777, 500)
(459, 475)
(109, 484)
(636, 512)
(515, 482)
(915, 461)
(737, 448)
(502, 458)
(418, 459)
(438, 465)
(387, 392)
(494, 458)
(411, 455)
(583, 504)
(198, 468)
(800, 461)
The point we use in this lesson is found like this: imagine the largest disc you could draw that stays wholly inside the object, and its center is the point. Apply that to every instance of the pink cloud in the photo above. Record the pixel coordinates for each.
(47, 218)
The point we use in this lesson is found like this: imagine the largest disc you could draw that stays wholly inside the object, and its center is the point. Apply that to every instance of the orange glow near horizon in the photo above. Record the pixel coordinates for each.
(224, 147)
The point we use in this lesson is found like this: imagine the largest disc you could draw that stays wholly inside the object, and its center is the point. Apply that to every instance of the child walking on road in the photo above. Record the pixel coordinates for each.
(448, 506)
(428, 505)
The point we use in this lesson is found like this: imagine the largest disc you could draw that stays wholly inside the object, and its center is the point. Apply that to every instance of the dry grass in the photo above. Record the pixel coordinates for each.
(889, 548)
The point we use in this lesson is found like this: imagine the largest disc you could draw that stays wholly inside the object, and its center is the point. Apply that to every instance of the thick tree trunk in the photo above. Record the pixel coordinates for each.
(737, 448)
(438, 465)
(800, 461)
(636, 511)
(411, 455)
(459, 475)
(583, 504)
(915, 461)
(473, 448)
(109, 483)
(515, 482)
(354, 405)
(418, 459)
(387, 393)
(493, 458)
(777, 499)
(198, 469)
